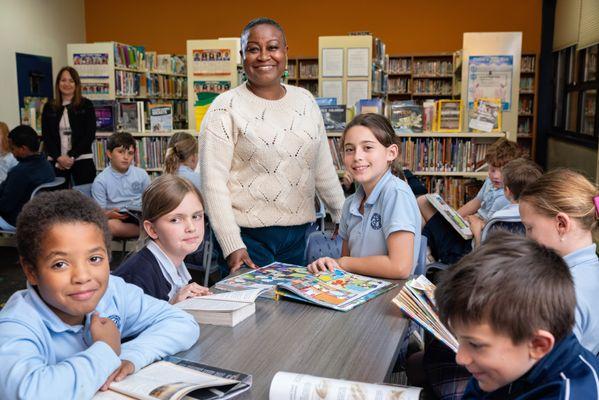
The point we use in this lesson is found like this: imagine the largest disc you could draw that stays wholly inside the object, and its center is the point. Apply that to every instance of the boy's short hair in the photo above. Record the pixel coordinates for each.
(119, 139)
(50, 208)
(501, 152)
(513, 284)
(24, 135)
(518, 174)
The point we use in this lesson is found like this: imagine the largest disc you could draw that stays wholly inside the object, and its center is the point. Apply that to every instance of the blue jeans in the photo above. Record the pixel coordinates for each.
(285, 244)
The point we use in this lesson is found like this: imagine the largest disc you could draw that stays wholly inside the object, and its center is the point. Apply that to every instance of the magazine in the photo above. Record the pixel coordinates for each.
(228, 309)
(292, 386)
(333, 117)
(405, 116)
(417, 300)
(457, 222)
(161, 117)
(173, 378)
(486, 115)
(338, 290)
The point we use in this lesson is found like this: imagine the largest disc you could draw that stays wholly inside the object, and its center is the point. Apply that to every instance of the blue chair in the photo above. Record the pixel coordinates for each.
(420, 267)
(320, 244)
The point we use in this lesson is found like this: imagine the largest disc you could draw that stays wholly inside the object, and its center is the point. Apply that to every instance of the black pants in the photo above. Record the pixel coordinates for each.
(82, 172)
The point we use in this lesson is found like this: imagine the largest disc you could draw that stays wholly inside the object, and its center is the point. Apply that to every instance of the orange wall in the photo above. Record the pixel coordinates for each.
(406, 26)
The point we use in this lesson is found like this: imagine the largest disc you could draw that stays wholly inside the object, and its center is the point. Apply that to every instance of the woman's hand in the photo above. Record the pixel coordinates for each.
(65, 162)
(190, 290)
(238, 258)
(323, 264)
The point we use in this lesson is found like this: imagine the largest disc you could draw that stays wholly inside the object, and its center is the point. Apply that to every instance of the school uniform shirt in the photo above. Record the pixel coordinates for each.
(112, 189)
(185, 172)
(177, 277)
(391, 207)
(584, 267)
(569, 371)
(43, 357)
(492, 200)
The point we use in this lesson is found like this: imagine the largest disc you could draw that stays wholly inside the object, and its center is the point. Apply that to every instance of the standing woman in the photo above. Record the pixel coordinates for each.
(68, 130)
(264, 155)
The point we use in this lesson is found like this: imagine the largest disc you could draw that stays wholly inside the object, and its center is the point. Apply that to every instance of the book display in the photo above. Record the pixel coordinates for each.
(338, 290)
(526, 102)
(124, 73)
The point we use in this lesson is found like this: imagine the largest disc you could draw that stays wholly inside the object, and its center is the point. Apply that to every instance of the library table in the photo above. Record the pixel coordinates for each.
(284, 335)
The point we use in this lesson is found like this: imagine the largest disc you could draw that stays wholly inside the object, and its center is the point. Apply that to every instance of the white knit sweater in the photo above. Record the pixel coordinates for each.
(261, 162)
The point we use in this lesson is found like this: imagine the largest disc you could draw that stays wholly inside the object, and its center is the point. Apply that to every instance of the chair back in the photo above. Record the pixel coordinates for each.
(86, 189)
(320, 244)
(420, 267)
(49, 186)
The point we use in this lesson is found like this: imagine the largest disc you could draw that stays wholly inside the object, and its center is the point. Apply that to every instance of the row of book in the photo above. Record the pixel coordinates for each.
(149, 85)
(433, 67)
(165, 63)
(134, 116)
(398, 85)
(455, 191)
(379, 79)
(308, 69)
(442, 154)
(527, 84)
(432, 87)
(149, 154)
(524, 125)
(126, 56)
(336, 153)
(525, 105)
(400, 66)
(527, 64)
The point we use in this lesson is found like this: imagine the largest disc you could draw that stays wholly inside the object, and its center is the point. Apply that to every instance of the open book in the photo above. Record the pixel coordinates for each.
(338, 290)
(457, 222)
(417, 300)
(290, 386)
(229, 308)
(173, 378)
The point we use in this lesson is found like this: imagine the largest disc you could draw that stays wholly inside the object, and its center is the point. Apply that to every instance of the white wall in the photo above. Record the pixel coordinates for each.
(40, 27)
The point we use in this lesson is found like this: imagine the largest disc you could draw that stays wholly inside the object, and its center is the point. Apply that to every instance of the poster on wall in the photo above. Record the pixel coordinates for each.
(91, 65)
(211, 62)
(490, 77)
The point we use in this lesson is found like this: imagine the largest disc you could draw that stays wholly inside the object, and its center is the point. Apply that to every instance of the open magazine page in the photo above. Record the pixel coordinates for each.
(416, 299)
(290, 386)
(166, 381)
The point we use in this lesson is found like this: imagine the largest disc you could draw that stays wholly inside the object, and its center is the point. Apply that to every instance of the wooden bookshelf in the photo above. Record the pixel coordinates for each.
(527, 102)
(303, 72)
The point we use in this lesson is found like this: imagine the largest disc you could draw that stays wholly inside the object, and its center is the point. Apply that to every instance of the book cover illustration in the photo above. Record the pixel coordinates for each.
(129, 119)
(339, 290)
(451, 215)
(161, 117)
(406, 116)
(334, 117)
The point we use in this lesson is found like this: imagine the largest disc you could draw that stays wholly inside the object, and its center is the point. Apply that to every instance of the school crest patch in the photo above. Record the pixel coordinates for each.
(376, 221)
(116, 319)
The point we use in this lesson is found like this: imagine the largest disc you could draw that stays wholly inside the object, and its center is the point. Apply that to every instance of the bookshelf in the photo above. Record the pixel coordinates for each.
(527, 102)
(351, 68)
(116, 72)
(303, 72)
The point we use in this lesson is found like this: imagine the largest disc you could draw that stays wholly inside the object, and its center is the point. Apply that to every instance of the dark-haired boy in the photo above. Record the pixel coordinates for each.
(33, 170)
(120, 185)
(511, 306)
(61, 338)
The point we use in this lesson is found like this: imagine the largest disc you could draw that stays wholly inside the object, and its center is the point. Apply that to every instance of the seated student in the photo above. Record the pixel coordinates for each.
(120, 185)
(510, 304)
(62, 336)
(182, 158)
(489, 199)
(7, 160)
(380, 223)
(517, 175)
(173, 227)
(560, 211)
(32, 170)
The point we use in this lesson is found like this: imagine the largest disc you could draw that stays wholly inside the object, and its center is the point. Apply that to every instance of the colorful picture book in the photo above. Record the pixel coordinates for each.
(338, 290)
(286, 385)
(457, 222)
(161, 117)
(175, 378)
(104, 116)
(417, 300)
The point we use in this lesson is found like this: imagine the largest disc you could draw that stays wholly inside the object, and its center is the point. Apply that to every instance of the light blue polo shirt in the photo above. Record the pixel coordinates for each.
(185, 172)
(43, 357)
(584, 266)
(492, 200)
(111, 189)
(391, 207)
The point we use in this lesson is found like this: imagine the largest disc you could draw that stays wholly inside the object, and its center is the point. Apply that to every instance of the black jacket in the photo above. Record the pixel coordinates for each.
(20, 182)
(83, 128)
